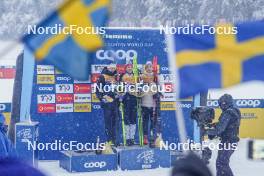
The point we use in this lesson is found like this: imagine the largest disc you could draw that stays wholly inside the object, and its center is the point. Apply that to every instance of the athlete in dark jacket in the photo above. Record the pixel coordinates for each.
(109, 101)
(228, 130)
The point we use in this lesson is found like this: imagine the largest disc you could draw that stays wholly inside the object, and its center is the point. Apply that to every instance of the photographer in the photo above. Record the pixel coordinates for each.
(228, 130)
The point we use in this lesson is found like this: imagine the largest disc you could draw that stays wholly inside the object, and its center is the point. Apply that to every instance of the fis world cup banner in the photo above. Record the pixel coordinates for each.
(252, 114)
(68, 109)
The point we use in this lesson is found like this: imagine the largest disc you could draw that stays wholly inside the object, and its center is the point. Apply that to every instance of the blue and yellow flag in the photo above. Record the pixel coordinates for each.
(232, 55)
(69, 37)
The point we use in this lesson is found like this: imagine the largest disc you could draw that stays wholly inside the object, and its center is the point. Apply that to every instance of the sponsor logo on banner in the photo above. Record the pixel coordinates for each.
(64, 88)
(64, 108)
(98, 68)
(25, 134)
(46, 108)
(64, 98)
(98, 164)
(171, 106)
(146, 157)
(45, 79)
(246, 103)
(168, 97)
(5, 107)
(82, 88)
(95, 77)
(46, 98)
(164, 69)
(166, 78)
(63, 79)
(45, 69)
(119, 54)
(82, 98)
(88, 81)
(7, 73)
(96, 106)
(82, 107)
(95, 99)
(46, 88)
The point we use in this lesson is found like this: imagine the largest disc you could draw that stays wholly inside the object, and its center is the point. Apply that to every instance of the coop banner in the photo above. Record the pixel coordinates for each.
(252, 114)
(68, 109)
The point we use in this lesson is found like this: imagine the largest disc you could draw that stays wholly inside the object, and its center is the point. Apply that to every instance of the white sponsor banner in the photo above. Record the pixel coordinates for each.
(64, 108)
(88, 81)
(98, 68)
(45, 69)
(166, 78)
(46, 98)
(64, 88)
(168, 97)
(82, 98)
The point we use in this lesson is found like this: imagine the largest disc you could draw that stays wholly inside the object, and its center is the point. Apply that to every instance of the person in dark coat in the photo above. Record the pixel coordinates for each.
(7, 149)
(228, 130)
(109, 101)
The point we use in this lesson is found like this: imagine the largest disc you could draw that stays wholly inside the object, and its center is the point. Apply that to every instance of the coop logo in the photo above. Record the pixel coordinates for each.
(212, 103)
(248, 103)
(164, 69)
(96, 107)
(82, 98)
(46, 108)
(113, 55)
(146, 157)
(90, 165)
(46, 89)
(46, 98)
(45, 69)
(64, 88)
(64, 78)
(2, 107)
(64, 107)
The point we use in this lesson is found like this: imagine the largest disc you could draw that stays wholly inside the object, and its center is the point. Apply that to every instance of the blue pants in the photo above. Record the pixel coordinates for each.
(222, 163)
(130, 109)
(110, 119)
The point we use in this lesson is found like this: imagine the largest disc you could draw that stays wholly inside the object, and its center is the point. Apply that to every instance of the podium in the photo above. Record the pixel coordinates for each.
(26, 141)
(140, 158)
(87, 161)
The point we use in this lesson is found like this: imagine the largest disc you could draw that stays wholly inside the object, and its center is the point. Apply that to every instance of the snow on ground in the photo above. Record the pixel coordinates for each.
(240, 164)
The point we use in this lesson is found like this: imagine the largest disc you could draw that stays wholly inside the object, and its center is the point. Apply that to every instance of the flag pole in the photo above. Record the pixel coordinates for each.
(175, 80)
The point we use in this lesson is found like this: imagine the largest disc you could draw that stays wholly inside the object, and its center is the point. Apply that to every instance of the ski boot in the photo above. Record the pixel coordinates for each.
(145, 140)
(159, 141)
(108, 148)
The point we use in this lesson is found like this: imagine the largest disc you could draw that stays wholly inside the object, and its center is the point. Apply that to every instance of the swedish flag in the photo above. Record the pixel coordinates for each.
(75, 40)
(220, 60)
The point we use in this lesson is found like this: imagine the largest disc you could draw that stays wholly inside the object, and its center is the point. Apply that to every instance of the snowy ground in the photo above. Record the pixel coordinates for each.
(240, 164)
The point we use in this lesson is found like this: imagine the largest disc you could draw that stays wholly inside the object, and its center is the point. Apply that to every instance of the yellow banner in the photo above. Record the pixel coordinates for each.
(252, 122)
(82, 107)
(45, 79)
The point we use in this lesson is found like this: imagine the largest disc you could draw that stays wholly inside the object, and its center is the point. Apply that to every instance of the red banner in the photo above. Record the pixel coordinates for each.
(7, 73)
(82, 88)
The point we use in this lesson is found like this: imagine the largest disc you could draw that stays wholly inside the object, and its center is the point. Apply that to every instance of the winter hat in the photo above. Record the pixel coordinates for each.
(148, 63)
(190, 165)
